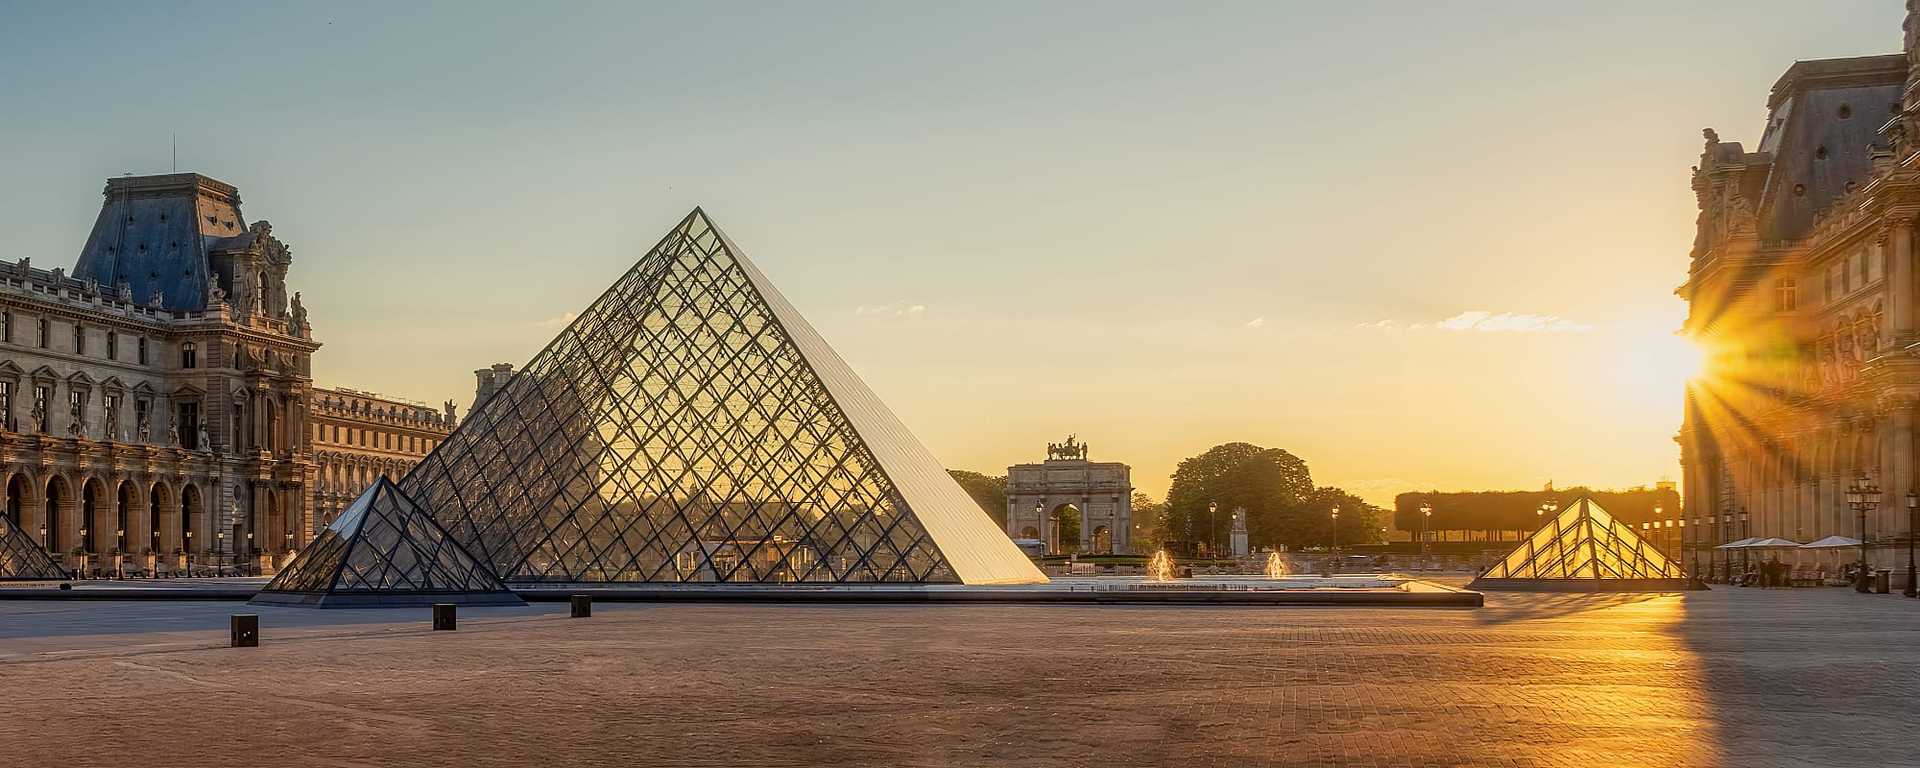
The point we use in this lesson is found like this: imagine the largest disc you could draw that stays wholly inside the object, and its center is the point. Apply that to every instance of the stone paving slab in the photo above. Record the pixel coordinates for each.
(1730, 677)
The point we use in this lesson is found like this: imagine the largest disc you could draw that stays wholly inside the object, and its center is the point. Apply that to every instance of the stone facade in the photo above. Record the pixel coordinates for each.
(360, 436)
(1101, 493)
(157, 398)
(1802, 290)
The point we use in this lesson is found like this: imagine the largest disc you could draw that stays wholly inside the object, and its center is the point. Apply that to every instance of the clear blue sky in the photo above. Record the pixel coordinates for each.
(1158, 225)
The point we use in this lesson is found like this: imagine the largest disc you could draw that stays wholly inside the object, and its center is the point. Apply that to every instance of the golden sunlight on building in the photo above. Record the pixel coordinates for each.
(1802, 291)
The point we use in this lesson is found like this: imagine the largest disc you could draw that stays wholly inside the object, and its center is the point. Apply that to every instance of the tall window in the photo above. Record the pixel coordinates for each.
(77, 402)
(113, 345)
(6, 327)
(6, 405)
(1785, 295)
(79, 339)
(189, 355)
(188, 422)
(46, 334)
(140, 347)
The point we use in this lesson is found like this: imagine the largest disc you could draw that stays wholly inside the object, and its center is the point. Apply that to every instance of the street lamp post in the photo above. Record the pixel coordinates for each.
(1213, 535)
(1040, 516)
(1745, 566)
(219, 553)
(1426, 515)
(1336, 539)
(1863, 496)
(1913, 516)
(1727, 557)
(1658, 510)
(187, 548)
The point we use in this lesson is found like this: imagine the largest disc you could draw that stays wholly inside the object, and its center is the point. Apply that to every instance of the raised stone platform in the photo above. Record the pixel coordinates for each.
(1364, 590)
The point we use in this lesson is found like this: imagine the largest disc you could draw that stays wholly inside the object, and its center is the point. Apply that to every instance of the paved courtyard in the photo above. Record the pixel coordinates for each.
(1731, 677)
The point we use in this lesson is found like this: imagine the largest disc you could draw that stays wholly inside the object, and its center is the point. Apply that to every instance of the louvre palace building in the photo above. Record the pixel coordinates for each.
(1801, 292)
(157, 407)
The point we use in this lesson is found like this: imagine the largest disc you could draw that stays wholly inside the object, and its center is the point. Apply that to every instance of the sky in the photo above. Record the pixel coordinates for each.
(1419, 245)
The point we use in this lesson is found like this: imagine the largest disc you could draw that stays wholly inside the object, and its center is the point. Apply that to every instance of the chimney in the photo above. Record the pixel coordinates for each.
(488, 381)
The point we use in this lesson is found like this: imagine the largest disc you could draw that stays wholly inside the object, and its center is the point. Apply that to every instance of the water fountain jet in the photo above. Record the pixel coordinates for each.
(1160, 568)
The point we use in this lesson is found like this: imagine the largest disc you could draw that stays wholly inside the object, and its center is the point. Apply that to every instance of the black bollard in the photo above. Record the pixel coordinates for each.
(582, 606)
(443, 616)
(246, 630)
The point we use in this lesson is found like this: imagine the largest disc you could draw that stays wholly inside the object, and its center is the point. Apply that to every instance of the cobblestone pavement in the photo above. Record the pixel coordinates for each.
(1732, 677)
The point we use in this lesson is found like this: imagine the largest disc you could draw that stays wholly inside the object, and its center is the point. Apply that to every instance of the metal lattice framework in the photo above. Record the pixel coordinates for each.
(23, 559)
(384, 544)
(689, 426)
(1584, 543)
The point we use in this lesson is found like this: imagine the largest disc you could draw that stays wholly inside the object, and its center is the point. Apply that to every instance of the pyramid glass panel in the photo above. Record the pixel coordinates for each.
(690, 426)
(1584, 549)
(385, 550)
(23, 559)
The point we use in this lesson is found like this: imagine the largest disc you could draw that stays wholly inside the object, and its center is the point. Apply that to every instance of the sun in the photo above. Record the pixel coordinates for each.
(1656, 368)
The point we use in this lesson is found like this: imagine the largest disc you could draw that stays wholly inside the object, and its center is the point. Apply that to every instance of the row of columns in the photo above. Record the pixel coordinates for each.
(1795, 488)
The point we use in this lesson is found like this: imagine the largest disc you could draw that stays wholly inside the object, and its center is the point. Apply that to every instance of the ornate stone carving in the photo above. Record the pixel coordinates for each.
(1067, 450)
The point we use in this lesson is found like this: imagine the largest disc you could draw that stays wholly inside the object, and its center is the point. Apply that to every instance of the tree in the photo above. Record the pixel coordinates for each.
(1272, 485)
(988, 491)
(1150, 525)
(1359, 521)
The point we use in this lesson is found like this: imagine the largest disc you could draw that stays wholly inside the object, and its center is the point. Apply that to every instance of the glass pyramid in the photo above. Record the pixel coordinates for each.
(385, 550)
(21, 558)
(690, 426)
(1584, 549)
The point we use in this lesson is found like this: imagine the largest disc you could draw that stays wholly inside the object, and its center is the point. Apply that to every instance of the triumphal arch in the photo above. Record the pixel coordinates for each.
(1045, 499)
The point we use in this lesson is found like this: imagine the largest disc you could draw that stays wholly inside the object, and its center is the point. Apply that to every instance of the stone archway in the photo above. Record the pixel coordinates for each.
(125, 534)
(1064, 520)
(193, 531)
(95, 516)
(1102, 540)
(57, 517)
(161, 513)
(16, 491)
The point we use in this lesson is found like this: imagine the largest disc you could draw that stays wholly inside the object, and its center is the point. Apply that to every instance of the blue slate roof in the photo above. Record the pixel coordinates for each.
(1824, 123)
(154, 232)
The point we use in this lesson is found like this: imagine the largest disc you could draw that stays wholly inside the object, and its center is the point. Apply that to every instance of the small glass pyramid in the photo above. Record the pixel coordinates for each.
(21, 558)
(384, 550)
(1584, 549)
(690, 426)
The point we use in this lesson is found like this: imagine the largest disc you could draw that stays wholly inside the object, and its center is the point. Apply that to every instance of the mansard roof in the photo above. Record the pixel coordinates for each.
(154, 233)
(1823, 126)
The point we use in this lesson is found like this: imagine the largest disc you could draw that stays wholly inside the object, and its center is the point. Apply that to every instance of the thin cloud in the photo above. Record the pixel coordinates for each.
(558, 321)
(1254, 323)
(898, 310)
(1483, 321)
